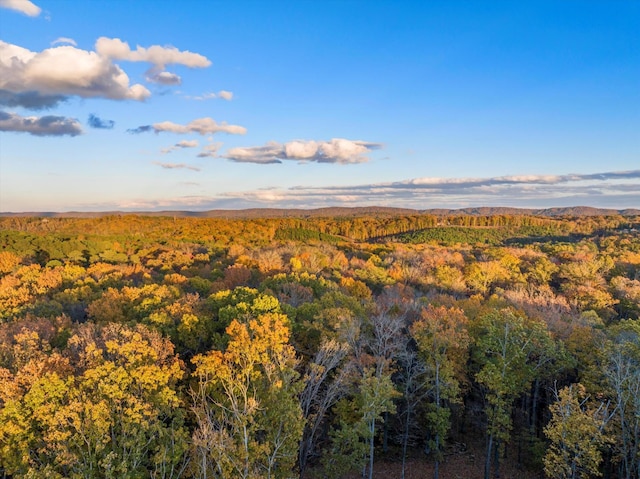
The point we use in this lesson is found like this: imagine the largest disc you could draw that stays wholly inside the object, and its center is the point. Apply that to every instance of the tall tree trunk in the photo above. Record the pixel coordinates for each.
(487, 460)
(436, 468)
(372, 430)
(385, 433)
(534, 408)
(405, 440)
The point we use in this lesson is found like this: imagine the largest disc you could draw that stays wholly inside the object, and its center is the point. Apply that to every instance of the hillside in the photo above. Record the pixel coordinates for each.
(329, 212)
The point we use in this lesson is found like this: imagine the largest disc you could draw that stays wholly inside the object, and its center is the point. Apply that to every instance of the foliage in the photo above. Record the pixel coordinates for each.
(575, 432)
(443, 341)
(249, 422)
(108, 408)
(316, 340)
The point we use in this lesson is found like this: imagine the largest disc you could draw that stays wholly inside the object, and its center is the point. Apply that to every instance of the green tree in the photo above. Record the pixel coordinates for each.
(443, 342)
(352, 438)
(507, 349)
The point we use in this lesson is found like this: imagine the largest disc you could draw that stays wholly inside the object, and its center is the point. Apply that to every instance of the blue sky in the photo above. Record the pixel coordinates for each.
(194, 105)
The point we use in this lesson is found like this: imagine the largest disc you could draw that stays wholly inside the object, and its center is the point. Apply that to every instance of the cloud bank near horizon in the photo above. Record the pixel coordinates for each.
(616, 189)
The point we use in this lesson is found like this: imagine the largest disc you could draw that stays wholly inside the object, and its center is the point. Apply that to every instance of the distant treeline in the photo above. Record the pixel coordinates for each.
(363, 228)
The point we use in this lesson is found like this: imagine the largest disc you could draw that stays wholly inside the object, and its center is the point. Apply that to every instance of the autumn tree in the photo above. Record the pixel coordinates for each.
(443, 341)
(108, 409)
(324, 384)
(623, 379)
(352, 437)
(411, 370)
(506, 351)
(576, 435)
(374, 342)
(248, 418)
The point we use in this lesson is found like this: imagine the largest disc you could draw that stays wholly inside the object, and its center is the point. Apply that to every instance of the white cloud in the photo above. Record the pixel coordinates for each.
(39, 80)
(203, 126)
(40, 126)
(158, 56)
(256, 154)
(23, 6)
(64, 40)
(337, 150)
(180, 145)
(66, 71)
(155, 54)
(225, 95)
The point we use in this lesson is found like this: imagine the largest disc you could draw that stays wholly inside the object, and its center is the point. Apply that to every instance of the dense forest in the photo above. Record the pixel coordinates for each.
(165, 347)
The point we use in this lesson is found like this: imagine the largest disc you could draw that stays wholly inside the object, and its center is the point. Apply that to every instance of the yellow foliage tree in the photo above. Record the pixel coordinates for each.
(576, 435)
(249, 420)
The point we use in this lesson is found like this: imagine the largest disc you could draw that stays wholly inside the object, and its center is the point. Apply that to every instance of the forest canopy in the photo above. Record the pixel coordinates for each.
(136, 346)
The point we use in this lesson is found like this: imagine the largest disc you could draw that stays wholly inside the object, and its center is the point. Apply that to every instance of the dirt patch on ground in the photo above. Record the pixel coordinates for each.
(455, 467)
(465, 461)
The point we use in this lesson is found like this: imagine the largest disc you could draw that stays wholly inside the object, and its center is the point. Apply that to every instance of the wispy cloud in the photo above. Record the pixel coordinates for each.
(210, 150)
(180, 145)
(64, 40)
(95, 122)
(23, 6)
(140, 129)
(203, 126)
(40, 126)
(337, 150)
(224, 94)
(176, 166)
